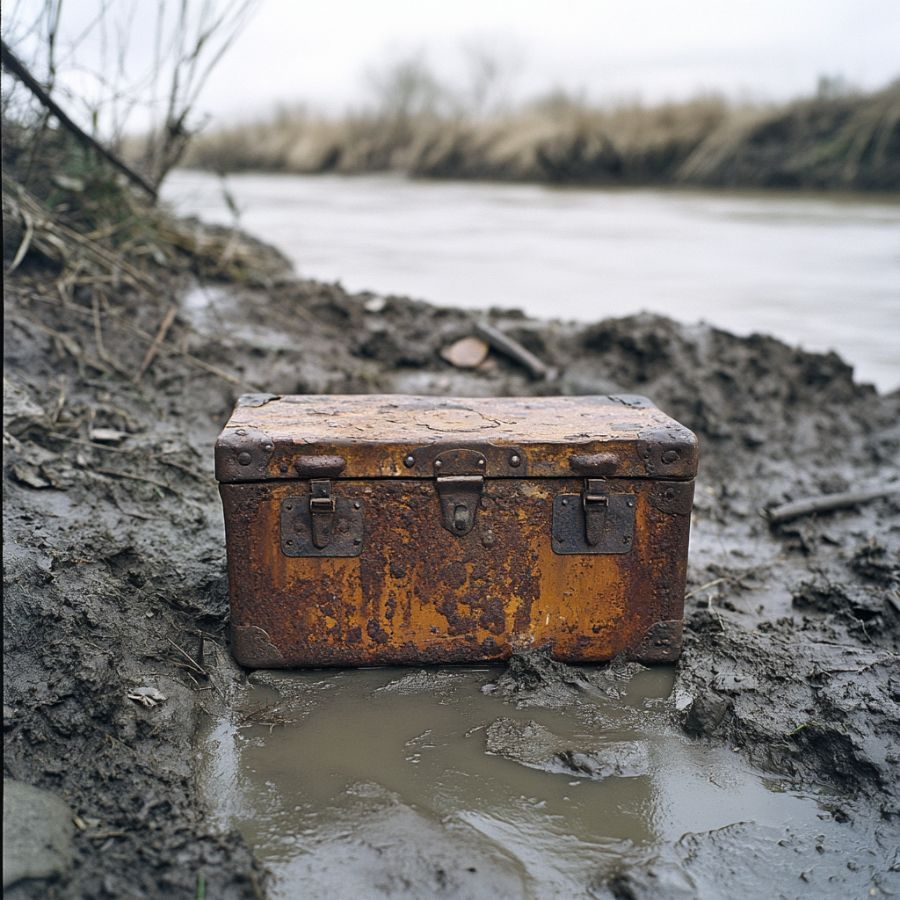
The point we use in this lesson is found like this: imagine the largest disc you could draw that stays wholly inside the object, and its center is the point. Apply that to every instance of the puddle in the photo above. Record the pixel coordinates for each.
(388, 782)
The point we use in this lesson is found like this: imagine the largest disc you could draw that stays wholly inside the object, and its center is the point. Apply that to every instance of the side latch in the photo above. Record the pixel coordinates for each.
(460, 483)
(321, 512)
(594, 521)
(321, 523)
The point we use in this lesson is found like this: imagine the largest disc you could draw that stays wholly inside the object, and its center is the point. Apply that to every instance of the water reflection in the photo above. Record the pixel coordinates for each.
(336, 777)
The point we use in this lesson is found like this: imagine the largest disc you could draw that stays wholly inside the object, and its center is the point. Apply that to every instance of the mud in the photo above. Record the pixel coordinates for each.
(604, 796)
(114, 581)
(533, 745)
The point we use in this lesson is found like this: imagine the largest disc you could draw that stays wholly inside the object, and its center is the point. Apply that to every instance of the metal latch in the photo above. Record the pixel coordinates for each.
(321, 512)
(459, 485)
(595, 504)
(322, 523)
(596, 521)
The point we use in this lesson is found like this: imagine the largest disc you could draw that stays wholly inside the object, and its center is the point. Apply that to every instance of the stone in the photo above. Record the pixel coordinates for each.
(37, 833)
(466, 353)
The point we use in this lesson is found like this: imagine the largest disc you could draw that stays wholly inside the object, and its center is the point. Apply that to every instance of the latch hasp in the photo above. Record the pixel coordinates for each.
(321, 523)
(460, 482)
(594, 521)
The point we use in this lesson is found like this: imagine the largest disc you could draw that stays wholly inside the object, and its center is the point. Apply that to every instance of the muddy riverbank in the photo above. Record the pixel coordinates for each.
(115, 591)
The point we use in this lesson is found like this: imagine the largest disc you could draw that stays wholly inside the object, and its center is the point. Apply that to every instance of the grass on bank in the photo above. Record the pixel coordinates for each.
(65, 209)
(848, 141)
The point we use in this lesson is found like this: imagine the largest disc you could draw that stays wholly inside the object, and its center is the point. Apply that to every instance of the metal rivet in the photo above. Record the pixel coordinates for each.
(357, 540)
(357, 505)
(669, 457)
(565, 503)
(438, 464)
(244, 458)
(481, 462)
(410, 461)
(631, 502)
(289, 542)
(241, 431)
(282, 468)
(515, 460)
(268, 447)
(288, 505)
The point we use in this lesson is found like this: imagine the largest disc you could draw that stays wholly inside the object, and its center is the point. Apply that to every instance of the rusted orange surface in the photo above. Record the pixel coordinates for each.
(417, 593)
(375, 436)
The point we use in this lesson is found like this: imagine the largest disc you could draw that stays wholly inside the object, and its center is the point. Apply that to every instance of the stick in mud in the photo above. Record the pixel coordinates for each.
(153, 349)
(513, 349)
(807, 506)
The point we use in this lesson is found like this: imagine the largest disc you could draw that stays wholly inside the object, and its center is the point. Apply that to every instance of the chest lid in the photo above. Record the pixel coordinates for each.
(400, 436)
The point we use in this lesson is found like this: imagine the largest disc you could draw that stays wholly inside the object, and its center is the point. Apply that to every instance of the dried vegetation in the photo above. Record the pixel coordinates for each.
(848, 141)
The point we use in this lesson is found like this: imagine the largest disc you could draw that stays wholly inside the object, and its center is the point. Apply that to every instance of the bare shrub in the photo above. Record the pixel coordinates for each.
(96, 67)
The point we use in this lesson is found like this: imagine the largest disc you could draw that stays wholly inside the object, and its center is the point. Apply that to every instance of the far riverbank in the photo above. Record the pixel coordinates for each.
(831, 141)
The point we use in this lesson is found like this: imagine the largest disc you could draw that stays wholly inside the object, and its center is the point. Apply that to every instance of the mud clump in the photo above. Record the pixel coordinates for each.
(758, 858)
(533, 678)
(534, 745)
(803, 699)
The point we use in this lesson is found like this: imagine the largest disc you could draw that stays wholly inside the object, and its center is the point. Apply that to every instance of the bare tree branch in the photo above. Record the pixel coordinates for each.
(19, 71)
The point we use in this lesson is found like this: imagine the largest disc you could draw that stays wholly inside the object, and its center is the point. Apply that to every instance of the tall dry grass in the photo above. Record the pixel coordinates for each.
(844, 141)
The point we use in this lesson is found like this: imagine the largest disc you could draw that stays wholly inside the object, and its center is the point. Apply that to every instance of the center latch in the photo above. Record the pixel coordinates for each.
(321, 511)
(595, 503)
(460, 481)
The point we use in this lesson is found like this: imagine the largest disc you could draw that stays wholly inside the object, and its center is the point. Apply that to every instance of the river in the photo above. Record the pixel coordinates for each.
(818, 271)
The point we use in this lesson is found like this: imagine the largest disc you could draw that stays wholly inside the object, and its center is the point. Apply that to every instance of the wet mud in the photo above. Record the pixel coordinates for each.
(382, 783)
(115, 596)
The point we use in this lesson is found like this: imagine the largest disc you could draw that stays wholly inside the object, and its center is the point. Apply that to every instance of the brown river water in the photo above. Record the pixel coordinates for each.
(821, 271)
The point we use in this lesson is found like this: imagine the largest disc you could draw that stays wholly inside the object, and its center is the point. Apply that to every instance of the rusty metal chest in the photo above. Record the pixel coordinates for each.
(370, 530)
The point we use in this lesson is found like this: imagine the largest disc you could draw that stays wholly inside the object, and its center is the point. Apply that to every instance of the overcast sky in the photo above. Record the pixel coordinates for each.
(318, 52)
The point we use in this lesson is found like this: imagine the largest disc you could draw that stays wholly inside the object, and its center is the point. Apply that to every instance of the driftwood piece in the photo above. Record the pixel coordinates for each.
(153, 349)
(807, 506)
(503, 343)
(18, 70)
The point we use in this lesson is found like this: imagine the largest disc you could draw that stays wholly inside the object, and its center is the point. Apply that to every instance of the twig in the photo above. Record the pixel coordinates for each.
(59, 436)
(197, 476)
(193, 664)
(26, 242)
(18, 70)
(267, 714)
(132, 512)
(808, 506)
(98, 336)
(60, 401)
(153, 349)
(703, 587)
(714, 611)
(129, 476)
(513, 349)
